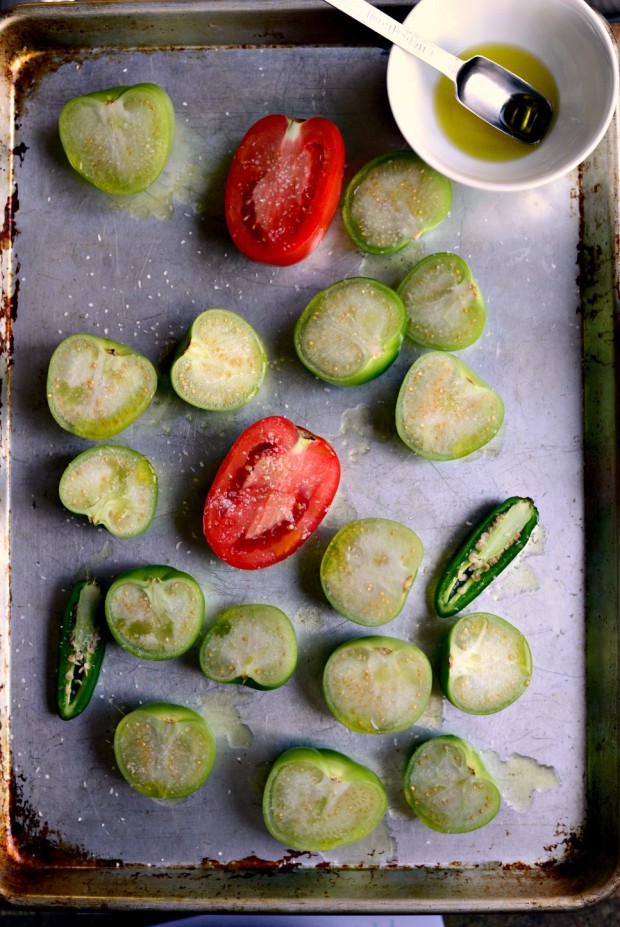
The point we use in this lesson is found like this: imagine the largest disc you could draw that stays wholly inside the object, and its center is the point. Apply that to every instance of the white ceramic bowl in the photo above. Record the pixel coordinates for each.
(571, 38)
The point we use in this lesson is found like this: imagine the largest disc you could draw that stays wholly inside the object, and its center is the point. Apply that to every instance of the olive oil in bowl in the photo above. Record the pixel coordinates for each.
(471, 134)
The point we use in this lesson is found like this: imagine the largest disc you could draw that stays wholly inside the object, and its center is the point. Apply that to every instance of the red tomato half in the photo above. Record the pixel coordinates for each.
(271, 492)
(283, 187)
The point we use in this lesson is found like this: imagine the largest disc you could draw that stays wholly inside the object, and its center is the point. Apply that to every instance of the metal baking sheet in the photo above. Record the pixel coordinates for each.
(139, 270)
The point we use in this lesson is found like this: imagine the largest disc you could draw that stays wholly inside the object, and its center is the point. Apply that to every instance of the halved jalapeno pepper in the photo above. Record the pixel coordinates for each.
(81, 648)
(488, 550)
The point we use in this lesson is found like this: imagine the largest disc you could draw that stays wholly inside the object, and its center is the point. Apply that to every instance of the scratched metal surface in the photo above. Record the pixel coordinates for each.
(139, 271)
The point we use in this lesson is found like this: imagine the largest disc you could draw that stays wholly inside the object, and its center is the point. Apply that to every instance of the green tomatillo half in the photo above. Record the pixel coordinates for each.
(486, 664)
(351, 331)
(444, 411)
(368, 569)
(315, 799)
(250, 644)
(393, 200)
(221, 362)
(164, 751)
(445, 307)
(115, 487)
(97, 387)
(155, 612)
(377, 684)
(448, 787)
(119, 139)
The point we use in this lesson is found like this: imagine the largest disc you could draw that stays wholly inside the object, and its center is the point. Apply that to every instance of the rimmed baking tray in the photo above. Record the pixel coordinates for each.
(139, 270)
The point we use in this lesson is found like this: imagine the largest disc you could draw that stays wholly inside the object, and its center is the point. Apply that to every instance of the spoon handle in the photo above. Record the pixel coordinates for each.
(384, 25)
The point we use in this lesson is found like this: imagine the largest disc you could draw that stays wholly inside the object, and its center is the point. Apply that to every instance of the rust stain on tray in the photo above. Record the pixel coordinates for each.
(33, 843)
(9, 231)
(10, 289)
(252, 864)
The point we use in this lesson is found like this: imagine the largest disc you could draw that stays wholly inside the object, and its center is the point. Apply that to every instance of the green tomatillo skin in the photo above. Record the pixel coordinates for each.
(113, 486)
(220, 363)
(351, 332)
(446, 310)
(368, 569)
(445, 411)
(377, 684)
(485, 663)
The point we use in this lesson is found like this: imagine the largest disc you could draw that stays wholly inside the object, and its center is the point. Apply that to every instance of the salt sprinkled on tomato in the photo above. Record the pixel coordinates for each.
(271, 492)
(283, 187)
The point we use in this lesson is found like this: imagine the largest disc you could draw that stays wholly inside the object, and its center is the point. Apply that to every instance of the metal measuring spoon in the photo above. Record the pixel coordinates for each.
(485, 88)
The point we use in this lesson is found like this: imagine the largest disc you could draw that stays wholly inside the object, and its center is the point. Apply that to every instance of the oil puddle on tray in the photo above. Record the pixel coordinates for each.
(520, 777)
(221, 708)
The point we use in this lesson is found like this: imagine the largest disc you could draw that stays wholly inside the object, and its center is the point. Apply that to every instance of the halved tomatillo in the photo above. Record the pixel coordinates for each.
(448, 787)
(113, 486)
(394, 199)
(317, 799)
(351, 331)
(368, 569)
(119, 139)
(485, 664)
(155, 612)
(445, 411)
(250, 644)
(97, 387)
(377, 684)
(164, 751)
(444, 304)
(220, 363)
